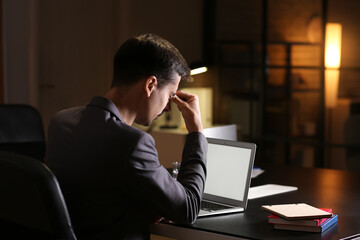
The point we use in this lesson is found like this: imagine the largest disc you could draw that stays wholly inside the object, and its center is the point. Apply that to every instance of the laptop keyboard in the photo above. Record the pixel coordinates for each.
(211, 206)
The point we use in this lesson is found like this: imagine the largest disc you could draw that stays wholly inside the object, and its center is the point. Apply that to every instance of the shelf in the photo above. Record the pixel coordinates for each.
(306, 90)
(259, 66)
(294, 67)
(243, 95)
(243, 42)
(306, 140)
(283, 88)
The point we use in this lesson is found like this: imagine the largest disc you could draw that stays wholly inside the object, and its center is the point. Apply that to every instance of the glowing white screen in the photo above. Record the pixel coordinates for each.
(227, 171)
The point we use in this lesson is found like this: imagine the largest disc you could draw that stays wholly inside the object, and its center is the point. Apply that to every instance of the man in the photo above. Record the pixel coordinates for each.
(109, 172)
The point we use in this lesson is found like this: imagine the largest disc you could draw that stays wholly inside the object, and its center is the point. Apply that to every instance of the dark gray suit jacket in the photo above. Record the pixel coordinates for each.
(110, 175)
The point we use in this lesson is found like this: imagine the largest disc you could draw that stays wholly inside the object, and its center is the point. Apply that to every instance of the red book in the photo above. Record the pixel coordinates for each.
(308, 222)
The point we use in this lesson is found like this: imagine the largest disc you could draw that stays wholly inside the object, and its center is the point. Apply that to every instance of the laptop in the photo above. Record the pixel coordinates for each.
(229, 167)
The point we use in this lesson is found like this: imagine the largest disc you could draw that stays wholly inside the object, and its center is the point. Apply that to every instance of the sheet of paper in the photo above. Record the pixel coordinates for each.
(256, 172)
(268, 190)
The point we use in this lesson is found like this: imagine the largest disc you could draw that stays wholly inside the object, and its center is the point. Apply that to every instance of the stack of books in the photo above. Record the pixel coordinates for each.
(307, 225)
(299, 220)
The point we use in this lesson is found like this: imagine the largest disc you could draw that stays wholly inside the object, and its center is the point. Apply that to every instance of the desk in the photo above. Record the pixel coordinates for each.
(324, 188)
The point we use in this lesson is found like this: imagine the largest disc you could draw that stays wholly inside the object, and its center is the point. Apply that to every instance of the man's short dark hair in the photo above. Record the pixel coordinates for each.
(148, 55)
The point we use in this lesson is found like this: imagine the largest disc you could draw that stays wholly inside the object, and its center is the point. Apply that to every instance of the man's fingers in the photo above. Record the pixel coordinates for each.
(188, 105)
(183, 95)
(177, 100)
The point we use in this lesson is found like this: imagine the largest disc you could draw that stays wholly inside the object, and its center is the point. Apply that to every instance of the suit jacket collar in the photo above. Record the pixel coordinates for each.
(106, 104)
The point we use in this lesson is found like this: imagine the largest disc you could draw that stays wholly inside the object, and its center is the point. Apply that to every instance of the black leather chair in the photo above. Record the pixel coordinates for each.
(21, 130)
(31, 203)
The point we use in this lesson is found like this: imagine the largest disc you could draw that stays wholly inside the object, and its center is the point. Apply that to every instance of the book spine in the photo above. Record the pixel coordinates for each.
(310, 223)
(329, 222)
(325, 225)
(297, 228)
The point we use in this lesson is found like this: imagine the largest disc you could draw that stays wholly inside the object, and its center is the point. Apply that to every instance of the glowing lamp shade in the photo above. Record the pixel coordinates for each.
(332, 62)
(331, 87)
(198, 70)
(333, 45)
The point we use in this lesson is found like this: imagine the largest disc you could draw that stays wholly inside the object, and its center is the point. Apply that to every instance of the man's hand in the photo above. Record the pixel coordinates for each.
(188, 105)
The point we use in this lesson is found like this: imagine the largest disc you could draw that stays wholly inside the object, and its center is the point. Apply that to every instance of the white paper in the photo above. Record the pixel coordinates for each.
(268, 190)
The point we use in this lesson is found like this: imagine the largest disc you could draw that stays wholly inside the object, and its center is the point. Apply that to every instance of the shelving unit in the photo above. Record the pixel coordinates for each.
(282, 93)
(240, 75)
(292, 104)
(275, 90)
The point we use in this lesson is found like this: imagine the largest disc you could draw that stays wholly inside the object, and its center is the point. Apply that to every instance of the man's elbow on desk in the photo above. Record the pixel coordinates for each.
(189, 213)
(184, 220)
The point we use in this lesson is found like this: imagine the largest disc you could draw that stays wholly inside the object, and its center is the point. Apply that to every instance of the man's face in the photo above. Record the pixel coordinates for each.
(159, 101)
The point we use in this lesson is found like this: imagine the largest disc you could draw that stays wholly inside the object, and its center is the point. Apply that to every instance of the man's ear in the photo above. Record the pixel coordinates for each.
(150, 84)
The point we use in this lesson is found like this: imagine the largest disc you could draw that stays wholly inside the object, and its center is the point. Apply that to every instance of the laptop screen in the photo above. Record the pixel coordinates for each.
(229, 166)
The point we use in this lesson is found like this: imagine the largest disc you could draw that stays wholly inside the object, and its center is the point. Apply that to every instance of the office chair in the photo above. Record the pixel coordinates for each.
(31, 202)
(21, 130)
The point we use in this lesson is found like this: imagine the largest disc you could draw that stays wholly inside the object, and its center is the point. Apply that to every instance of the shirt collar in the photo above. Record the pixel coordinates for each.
(106, 104)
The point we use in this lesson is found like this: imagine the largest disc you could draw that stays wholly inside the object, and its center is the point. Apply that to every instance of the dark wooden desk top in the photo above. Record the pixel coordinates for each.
(323, 188)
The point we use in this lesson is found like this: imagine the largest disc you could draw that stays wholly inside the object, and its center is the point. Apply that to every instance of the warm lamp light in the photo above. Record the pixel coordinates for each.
(198, 70)
(331, 86)
(332, 62)
(333, 45)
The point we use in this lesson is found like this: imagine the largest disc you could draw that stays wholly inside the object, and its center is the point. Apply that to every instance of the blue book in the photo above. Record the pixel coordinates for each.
(321, 228)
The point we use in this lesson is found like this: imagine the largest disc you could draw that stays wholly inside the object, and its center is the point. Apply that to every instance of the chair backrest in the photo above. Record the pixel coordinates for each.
(31, 196)
(21, 130)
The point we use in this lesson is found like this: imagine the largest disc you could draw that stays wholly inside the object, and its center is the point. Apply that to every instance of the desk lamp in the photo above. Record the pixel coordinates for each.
(332, 62)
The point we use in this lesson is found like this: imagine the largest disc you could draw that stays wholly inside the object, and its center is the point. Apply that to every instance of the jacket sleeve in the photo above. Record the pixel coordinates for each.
(151, 184)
